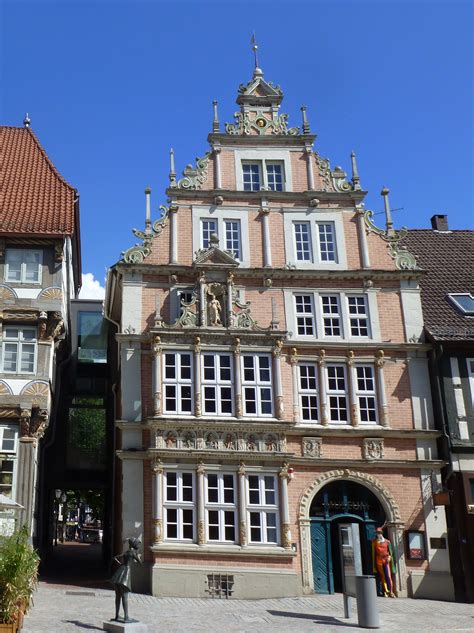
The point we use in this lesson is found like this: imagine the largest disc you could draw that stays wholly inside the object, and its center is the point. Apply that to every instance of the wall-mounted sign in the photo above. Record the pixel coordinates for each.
(416, 545)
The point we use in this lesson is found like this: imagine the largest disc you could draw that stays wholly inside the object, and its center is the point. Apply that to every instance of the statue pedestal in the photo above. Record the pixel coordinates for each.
(125, 627)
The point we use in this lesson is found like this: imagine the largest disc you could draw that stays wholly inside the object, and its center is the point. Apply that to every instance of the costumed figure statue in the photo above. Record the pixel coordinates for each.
(384, 563)
(214, 310)
(121, 580)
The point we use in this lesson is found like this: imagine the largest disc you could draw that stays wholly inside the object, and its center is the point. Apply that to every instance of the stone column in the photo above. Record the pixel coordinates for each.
(230, 291)
(157, 393)
(295, 385)
(217, 166)
(382, 394)
(202, 300)
(201, 525)
(197, 377)
(352, 379)
(157, 469)
(237, 380)
(279, 408)
(395, 536)
(284, 507)
(267, 252)
(309, 167)
(243, 539)
(363, 245)
(323, 398)
(173, 234)
(26, 481)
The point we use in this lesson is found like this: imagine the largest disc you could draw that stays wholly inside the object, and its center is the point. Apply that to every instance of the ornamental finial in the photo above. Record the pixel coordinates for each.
(147, 210)
(257, 71)
(215, 121)
(172, 174)
(388, 213)
(305, 120)
(355, 171)
(27, 120)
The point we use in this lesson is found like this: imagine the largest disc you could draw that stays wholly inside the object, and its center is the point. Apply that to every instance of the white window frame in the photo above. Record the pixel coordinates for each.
(221, 214)
(217, 383)
(257, 384)
(263, 509)
(362, 394)
(221, 507)
(8, 427)
(358, 317)
(331, 315)
(309, 250)
(19, 342)
(262, 156)
(22, 279)
(270, 163)
(178, 382)
(206, 243)
(236, 252)
(179, 505)
(322, 259)
(255, 163)
(308, 318)
(314, 217)
(338, 393)
(307, 393)
(370, 303)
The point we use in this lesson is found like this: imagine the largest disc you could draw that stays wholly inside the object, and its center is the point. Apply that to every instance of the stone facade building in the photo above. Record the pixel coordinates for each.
(447, 298)
(39, 272)
(274, 401)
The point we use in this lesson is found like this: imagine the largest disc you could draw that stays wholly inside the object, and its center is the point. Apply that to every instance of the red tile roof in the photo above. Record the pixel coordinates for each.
(34, 197)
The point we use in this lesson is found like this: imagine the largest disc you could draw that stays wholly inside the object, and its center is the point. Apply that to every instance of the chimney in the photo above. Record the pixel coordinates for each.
(440, 223)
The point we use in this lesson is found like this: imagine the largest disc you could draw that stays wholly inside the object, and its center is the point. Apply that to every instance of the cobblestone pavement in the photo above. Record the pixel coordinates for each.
(67, 609)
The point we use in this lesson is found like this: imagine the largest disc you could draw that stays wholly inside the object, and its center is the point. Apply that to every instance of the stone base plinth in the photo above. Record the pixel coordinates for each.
(125, 627)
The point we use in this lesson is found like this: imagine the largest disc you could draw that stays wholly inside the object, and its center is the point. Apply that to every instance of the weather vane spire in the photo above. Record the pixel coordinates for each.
(255, 49)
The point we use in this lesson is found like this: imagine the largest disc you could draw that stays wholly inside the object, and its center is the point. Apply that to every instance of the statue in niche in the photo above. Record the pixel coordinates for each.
(170, 440)
(214, 310)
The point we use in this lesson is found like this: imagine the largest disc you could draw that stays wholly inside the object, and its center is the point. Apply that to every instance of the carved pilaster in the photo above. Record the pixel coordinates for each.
(383, 405)
(42, 325)
(351, 371)
(323, 399)
(201, 535)
(39, 423)
(285, 511)
(25, 421)
(197, 377)
(157, 469)
(277, 377)
(294, 379)
(157, 356)
(238, 379)
(242, 505)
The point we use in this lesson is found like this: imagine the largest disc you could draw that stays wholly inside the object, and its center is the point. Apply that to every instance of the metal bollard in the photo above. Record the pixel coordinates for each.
(367, 611)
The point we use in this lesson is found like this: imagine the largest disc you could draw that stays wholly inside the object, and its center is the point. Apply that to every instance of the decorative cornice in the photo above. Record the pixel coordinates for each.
(137, 254)
(404, 260)
(260, 125)
(194, 177)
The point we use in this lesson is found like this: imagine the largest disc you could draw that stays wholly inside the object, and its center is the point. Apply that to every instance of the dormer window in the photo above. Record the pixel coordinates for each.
(463, 301)
(263, 174)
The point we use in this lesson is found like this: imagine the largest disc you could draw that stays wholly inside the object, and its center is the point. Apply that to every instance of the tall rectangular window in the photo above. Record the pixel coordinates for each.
(232, 237)
(257, 384)
(217, 384)
(208, 228)
(274, 176)
(23, 265)
(251, 176)
(177, 382)
(365, 393)
(308, 381)
(262, 509)
(331, 314)
(303, 241)
(18, 350)
(327, 242)
(305, 323)
(179, 506)
(358, 315)
(221, 509)
(337, 393)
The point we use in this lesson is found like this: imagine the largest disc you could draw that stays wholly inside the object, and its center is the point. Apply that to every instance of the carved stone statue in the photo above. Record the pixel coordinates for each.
(214, 311)
(121, 580)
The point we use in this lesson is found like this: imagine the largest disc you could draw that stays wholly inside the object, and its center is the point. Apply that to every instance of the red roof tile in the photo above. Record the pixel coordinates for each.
(34, 197)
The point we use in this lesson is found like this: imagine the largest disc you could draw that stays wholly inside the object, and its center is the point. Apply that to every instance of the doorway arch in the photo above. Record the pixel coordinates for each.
(387, 502)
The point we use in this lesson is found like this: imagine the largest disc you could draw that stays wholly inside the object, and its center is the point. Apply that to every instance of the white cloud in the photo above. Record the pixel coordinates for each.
(91, 288)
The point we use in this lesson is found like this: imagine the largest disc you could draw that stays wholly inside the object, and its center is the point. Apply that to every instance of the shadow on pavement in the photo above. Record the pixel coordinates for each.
(82, 625)
(318, 619)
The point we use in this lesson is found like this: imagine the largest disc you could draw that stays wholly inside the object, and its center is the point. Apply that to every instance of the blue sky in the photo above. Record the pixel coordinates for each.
(110, 86)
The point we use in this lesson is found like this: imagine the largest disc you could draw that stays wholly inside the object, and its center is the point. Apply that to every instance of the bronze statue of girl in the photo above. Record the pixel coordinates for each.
(121, 580)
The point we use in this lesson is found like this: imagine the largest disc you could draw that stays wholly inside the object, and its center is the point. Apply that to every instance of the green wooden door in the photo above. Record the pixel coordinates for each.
(321, 557)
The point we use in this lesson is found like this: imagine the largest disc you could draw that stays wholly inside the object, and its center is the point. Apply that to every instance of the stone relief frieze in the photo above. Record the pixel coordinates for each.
(373, 448)
(312, 446)
(220, 440)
